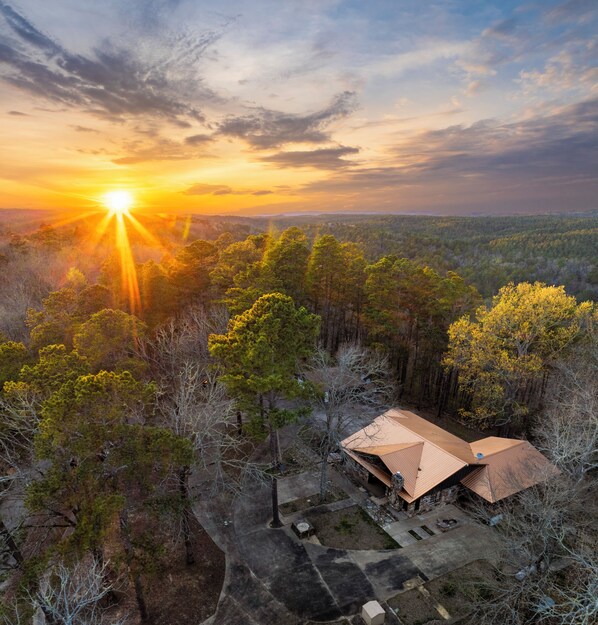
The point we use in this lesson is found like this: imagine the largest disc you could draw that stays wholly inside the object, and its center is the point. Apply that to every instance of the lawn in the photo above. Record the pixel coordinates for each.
(350, 528)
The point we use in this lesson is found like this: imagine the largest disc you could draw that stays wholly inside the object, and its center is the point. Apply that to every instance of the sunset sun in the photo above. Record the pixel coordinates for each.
(118, 202)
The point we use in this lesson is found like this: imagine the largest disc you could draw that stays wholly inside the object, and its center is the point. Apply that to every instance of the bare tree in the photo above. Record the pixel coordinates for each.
(182, 340)
(19, 419)
(193, 404)
(75, 595)
(548, 570)
(568, 429)
(354, 376)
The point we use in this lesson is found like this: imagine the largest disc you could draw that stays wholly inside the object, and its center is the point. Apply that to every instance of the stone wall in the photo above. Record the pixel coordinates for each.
(355, 470)
(427, 502)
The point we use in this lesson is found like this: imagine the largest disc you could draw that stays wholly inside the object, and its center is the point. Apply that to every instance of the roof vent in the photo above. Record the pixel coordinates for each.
(479, 455)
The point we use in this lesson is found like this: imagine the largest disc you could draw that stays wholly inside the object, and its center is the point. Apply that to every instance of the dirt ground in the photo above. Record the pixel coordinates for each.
(457, 589)
(413, 608)
(350, 528)
(304, 503)
(187, 595)
(453, 591)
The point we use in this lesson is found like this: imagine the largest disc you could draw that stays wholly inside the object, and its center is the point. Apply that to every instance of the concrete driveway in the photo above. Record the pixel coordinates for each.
(273, 578)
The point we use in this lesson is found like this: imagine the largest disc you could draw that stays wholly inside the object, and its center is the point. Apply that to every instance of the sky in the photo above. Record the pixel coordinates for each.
(270, 106)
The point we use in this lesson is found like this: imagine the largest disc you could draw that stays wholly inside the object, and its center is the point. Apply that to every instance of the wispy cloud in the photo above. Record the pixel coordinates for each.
(541, 154)
(265, 129)
(202, 188)
(324, 158)
(158, 148)
(200, 139)
(114, 82)
(78, 128)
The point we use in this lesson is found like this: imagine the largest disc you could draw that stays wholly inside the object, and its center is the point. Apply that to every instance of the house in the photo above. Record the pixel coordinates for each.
(419, 465)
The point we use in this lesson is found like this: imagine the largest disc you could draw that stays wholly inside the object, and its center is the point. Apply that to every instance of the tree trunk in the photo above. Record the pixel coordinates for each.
(239, 423)
(128, 549)
(49, 616)
(186, 514)
(11, 543)
(324, 472)
(276, 522)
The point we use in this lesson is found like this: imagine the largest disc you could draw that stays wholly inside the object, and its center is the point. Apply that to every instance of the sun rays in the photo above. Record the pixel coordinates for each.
(115, 219)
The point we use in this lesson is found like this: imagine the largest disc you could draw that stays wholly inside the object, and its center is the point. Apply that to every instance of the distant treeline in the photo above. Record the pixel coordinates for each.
(489, 252)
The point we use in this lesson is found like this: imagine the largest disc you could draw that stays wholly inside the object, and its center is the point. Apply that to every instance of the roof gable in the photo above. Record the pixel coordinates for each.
(399, 439)
(405, 461)
(510, 467)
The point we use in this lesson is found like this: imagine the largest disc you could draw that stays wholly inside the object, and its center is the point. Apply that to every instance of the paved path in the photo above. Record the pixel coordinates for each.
(273, 578)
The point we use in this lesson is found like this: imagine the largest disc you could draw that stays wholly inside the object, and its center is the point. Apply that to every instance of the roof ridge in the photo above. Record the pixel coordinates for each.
(405, 446)
(427, 440)
(497, 451)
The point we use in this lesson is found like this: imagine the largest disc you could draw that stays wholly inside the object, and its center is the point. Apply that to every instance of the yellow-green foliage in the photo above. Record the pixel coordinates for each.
(511, 344)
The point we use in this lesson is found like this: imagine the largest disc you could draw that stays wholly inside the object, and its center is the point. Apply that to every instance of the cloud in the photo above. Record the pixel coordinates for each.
(202, 188)
(112, 82)
(265, 128)
(208, 189)
(572, 69)
(325, 158)
(392, 65)
(78, 128)
(157, 148)
(573, 10)
(554, 157)
(504, 29)
(17, 114)
(199, 139)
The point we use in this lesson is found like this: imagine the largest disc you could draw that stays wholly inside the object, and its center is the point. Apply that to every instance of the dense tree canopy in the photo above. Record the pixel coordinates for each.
(108, 338)
(503, 354)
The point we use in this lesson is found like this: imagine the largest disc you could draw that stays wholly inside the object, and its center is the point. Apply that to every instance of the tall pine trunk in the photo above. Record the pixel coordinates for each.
(11, 543)
(125, 535)
(186, 514)
(276, 522)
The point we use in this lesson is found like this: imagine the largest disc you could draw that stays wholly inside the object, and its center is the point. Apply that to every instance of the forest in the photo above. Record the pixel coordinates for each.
(136, 382)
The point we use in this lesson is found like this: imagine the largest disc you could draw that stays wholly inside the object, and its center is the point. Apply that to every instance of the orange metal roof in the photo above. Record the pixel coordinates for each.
(493, 445)
(510, 466)
(426, 455)
(407, 461)
(434, 434)
(382, 450)
(422, 460)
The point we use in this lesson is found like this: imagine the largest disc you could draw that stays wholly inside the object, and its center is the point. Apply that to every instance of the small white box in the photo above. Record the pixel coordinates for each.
(373, 613)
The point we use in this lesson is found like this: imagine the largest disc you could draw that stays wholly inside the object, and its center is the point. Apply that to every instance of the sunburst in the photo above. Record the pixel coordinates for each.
(118, 202)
